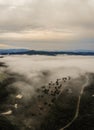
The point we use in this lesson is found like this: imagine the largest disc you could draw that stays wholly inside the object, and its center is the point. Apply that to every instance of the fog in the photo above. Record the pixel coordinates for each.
(40, 70)
(32, 66)
(33, 72)
(39, 62)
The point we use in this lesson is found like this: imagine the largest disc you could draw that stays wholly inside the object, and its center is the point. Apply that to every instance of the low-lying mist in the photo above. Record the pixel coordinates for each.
(35, 84)
(40, 70)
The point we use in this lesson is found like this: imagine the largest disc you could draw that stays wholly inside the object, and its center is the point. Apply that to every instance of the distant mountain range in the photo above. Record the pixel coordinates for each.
(41, 52)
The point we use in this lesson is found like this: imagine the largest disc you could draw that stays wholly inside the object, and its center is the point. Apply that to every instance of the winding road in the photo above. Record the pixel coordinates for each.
(78, 105)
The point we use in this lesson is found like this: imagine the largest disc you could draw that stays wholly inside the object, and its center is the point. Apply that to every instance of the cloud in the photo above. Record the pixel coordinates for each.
(5, 46)
(47, 20)
(51, 14)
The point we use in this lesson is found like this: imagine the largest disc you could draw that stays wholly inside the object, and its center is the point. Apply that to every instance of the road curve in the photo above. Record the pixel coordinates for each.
(78, 105)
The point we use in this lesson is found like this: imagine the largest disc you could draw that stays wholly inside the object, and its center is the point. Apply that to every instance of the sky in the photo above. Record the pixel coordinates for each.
(47, 24)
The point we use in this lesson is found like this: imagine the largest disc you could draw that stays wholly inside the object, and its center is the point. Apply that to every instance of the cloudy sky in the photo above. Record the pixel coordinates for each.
(47, 24)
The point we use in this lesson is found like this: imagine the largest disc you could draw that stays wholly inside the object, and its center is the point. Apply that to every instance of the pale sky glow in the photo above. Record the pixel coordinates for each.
(33, 23)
